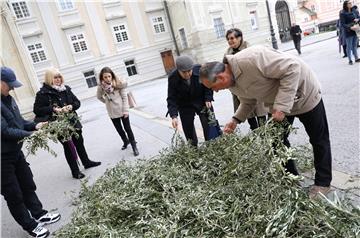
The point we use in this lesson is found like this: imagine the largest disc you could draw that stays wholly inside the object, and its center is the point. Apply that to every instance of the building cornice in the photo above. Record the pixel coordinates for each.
(72, 25)
(30, 34)
(113, 17)
(154, 10)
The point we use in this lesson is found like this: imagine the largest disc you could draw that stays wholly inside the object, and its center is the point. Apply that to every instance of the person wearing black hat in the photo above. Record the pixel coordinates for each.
(187, 97)
(17, 183)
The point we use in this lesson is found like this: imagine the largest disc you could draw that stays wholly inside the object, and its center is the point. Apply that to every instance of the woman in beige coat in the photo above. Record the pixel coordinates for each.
(112, 92)
(236, 43)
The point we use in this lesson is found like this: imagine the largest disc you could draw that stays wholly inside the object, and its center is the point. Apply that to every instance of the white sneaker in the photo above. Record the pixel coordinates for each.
(49, 218)
(39, 232)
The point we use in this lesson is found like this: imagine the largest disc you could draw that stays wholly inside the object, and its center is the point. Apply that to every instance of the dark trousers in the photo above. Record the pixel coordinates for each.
(344, 49)
(187, 116)
(71, 154)
(297, 45)
(18, 188)
(126, 122)
(254, 122)
(316, 126)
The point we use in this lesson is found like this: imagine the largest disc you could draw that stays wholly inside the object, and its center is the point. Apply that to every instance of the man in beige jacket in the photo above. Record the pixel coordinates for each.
(287, 86)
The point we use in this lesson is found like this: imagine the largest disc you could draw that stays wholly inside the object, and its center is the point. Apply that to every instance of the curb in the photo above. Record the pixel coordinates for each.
(310, 43)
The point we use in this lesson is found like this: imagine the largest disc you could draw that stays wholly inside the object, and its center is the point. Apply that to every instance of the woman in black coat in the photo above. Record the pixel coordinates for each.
(55, 97)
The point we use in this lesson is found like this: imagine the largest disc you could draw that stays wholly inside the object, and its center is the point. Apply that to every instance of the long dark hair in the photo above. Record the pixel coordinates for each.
(116, 83)
(345, 7)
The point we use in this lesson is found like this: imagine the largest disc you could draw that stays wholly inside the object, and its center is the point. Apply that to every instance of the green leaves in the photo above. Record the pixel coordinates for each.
(229, 187)
(60, 129)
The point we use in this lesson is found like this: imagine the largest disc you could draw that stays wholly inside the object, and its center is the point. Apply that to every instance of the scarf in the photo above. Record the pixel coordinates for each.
(59, 88)
(108, 88)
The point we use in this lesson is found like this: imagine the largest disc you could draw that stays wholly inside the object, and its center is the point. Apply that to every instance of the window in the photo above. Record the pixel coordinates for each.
(158, 24)
(120, 33)
(37, 52)
(130, 67)
(66, 5)
(183, 39)
(20, 9)
(219, 27)
(90, 78)
(253, 19)
(78, 42)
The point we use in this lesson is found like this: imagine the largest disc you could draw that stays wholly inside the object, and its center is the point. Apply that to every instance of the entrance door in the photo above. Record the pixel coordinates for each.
(168, 61)
(283, 20)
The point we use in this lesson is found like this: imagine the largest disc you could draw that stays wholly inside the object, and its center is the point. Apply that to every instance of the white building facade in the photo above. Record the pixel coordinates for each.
(81, 37)
(200, 26)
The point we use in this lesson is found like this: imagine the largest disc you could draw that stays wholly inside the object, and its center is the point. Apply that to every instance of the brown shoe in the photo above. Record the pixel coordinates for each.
(315, 190)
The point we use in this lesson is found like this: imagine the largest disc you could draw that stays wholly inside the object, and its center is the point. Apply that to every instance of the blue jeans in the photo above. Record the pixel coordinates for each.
(351, 46)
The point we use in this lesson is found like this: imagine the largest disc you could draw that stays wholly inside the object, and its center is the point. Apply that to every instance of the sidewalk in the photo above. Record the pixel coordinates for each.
(308, 40)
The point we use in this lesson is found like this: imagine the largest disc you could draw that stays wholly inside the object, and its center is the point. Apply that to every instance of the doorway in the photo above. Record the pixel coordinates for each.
(168, 60)
(283, 20)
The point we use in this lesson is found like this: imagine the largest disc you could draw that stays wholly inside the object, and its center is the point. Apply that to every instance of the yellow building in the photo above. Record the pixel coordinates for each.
(13, 55)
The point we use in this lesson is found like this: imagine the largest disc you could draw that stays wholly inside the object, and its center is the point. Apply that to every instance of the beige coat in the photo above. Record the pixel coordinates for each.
(116, 102)
(280, 80)
(260, 109)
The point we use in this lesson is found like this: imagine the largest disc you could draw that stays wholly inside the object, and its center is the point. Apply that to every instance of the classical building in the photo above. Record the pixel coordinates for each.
(81, 37)
(199, 26)
(313, 16)
(14, 55)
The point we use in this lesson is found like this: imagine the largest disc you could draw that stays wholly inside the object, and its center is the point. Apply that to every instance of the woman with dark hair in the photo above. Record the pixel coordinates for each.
(348, 18)
(112, 92)
(236, 43)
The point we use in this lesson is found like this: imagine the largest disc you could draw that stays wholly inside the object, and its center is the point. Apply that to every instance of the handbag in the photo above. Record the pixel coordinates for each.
(131, 100)
(214, 130)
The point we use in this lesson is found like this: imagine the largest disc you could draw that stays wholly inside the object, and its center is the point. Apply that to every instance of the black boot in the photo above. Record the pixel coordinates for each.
(91, 164)
(126, 143)
(78, 175)
(133, 145)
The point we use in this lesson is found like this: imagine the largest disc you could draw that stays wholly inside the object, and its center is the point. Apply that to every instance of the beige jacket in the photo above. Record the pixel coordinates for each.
(260, 109)
(116, 102)
(280, 80)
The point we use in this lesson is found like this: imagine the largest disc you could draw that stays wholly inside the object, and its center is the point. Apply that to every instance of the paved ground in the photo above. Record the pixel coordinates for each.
(56, 188)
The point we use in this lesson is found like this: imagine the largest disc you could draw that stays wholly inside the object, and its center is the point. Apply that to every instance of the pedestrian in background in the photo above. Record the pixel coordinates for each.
(17, 183)
(349, 18)
(112, 92)
(295, 32)
(341, 37)
(56, 97)
(237, 43)
(289, 87)
(187, 97)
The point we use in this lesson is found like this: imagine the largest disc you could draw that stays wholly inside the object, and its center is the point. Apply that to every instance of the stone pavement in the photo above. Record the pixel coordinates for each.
(308, 40)
(56, 188)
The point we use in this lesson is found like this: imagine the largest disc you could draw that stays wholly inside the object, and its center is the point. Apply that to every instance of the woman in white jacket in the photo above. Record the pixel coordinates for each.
(112, 92)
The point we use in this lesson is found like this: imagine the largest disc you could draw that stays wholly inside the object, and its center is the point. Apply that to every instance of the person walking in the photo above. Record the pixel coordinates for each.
(295, 32)
(112, 92)
(348, 18)
(55, 97)
(187, 97)
(17, 183)
(341, 37)
(234, 37)
(288, 86)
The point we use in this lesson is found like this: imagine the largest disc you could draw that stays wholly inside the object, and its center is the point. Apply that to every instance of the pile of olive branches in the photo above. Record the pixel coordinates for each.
(230, 187)
(62, 128)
